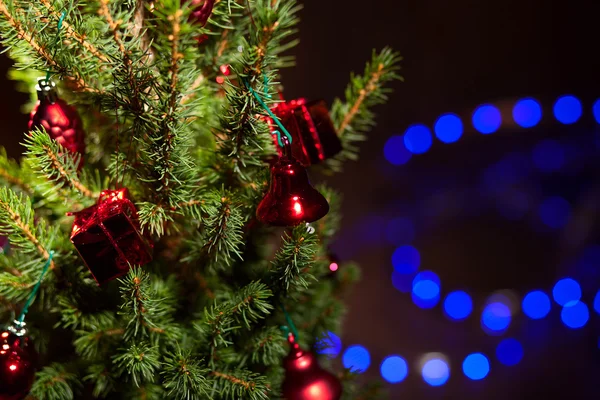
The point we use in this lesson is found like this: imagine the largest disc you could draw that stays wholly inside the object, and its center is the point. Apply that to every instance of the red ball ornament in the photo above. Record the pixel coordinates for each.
(305, 379)
(108, 236)
(17, 362)
(201, 10)
(291, 199)
(58, 119)
(314, 138)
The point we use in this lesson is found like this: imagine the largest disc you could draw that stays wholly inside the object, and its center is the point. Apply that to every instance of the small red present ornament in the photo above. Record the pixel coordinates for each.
(314, 138)
(107, 236)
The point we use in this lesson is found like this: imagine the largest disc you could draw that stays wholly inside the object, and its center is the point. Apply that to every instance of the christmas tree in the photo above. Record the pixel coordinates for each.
(164, 240)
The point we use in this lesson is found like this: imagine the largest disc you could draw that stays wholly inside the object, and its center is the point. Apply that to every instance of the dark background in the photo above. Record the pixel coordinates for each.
(457, 55)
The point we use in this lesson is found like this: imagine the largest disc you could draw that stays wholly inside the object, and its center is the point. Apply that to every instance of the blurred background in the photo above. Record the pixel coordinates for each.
(474, 208)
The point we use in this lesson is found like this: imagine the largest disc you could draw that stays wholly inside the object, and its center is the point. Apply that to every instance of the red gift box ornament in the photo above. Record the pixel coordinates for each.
(314, 138)
(108, 236)
(60, 120)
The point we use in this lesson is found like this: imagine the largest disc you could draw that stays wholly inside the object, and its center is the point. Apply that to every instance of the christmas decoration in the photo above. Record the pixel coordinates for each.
(291, 199)
(107, 236)
(226, 71)
(201, 10)
(314, 138)
(17, 362)
(304, 377)
(57, 118)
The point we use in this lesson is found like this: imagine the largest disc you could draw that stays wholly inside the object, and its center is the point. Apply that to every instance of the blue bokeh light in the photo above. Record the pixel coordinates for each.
(458, 305)
(487, 119)
(597, 302)
(509, 352)
(548, 155)
(567, 109)
(402, 282)
(575, 314)
(476, 366)
(566, 290)
(448, 128)
(536, 304)
(435, 372)
(554, 212)
(496, 317)
(596, 110)
(400, 230)
(426, 289)
(394, 369)
(406, 259)
(527, 113)
(395, 151)
(356, 358)
(330, 345)
(417, 139)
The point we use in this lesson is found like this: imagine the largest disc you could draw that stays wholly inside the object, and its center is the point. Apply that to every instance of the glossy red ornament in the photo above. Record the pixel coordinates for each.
(314, 138)
(107, 236)
(201, 10)
(291, 199)
(58, 119)
(305, 379)
(17, 362)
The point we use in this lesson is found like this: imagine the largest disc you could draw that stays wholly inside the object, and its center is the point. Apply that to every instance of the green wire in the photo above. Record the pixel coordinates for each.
(262, 103)
(290, 323)
(60, 23)
(36, 288)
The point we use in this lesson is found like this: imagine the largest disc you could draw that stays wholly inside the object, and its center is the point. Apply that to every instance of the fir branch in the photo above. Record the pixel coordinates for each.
(242, 384)
(139, 361)
(104, 11)
(11, 173)
(78, 82)
(251, 303)
(54, 382)
(267, 347)
(55, 163)
(73, 34)
(183, 376)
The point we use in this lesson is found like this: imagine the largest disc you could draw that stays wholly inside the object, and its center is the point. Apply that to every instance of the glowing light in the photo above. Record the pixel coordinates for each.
(417, 139)
(554, 212)
(509, 352)
(448, 128)
(476, 366)
(4, 334)
(458, 305)
(487, 119)
(394, 369)
(566, 290)
(567, 109)
(527, 113)
(333, 266)
(395, 151)
(400, 231)
(596, 110)
(597, 302)
(548, 155)
(356, 358)
(12, 367)
(330, 345)
(536, 304)
(426, 289)
(575, 314)
(5, 346)
(435, 372)
(496, 317)
(297, 206)
(406, 259)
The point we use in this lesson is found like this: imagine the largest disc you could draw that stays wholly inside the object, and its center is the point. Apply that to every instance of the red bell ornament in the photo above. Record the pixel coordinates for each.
(108, 236)
(305, 379)
(291, 199)
(314, 138)
(201, 10)
(60, 120)
(17, 362)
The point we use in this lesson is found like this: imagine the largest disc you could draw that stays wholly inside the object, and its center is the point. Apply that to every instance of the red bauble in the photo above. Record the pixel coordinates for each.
(291, 199)
(314, 138)
(305, 379)
(201, 10)
(57, 118)
(107, 236)
(17, 363)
